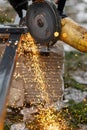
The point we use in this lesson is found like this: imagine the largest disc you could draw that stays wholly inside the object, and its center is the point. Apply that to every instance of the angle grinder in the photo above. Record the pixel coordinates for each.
(43, 22)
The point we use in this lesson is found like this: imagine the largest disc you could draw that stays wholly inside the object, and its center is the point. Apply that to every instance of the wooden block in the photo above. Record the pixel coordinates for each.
(41, 73)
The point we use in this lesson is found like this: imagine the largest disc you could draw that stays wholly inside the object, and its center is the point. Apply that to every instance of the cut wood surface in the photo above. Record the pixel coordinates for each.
(74, 34)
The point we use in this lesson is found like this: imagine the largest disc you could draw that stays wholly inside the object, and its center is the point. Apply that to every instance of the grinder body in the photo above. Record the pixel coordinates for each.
(46, 26)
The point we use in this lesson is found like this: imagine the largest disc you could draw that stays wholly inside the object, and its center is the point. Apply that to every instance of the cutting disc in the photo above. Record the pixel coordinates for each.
(43, 21)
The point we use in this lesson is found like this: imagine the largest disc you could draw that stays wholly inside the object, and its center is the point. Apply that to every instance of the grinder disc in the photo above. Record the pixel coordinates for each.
(43, 21)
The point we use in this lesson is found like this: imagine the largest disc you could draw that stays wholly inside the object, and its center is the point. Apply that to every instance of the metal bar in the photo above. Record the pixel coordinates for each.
(7, 65)
(12, 29)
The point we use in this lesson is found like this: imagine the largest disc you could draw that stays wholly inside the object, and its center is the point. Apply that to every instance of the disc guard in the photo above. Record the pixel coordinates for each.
(43, 21)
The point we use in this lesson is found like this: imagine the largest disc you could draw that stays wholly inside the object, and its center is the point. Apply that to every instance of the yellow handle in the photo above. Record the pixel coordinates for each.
(73, 34)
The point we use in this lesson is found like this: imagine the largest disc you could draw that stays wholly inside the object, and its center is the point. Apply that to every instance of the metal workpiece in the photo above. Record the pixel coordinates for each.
(13, 29)
(7, 65)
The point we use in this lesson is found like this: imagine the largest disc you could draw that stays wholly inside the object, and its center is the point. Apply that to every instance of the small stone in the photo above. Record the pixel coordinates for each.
(27, 113)
(19, 126)
(74, 94)
(82, 127)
